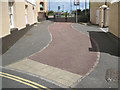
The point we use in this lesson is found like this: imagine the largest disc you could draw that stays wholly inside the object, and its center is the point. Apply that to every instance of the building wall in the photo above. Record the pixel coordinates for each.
(38, 6)
(100, 15)
(30, 14)
(35, 14)
(33, 7)
(94, 6)
(0, 19)
(45, 6)
(5, 30)
(19, 15)
(114, 25)
(119, 20)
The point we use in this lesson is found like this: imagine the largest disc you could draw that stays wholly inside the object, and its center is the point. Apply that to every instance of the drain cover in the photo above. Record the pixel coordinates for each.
(112, 75)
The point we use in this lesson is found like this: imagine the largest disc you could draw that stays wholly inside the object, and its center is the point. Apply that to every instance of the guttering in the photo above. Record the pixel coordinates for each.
(31, 2)
(115, 1)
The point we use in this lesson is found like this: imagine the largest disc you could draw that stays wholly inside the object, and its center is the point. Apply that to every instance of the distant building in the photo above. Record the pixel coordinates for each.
(16, 14)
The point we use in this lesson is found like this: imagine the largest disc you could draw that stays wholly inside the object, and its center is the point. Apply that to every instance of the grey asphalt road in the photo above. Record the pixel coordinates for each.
(38, 37)
(8, 83)
(33, 41)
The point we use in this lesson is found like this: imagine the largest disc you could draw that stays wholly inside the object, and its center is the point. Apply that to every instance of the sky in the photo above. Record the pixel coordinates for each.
(65, 5)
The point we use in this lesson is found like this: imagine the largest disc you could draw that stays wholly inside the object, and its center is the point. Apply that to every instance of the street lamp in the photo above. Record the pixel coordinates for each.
(76, 3)
(105, 2)
(79, 4)
(49, 5)
(85, 8)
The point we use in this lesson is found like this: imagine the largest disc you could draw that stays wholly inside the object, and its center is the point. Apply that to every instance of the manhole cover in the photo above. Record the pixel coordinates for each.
(112, 75)
(28, 34)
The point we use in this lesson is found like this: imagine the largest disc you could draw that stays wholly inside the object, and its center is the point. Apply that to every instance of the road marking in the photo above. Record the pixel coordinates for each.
(18, 81)
(22, 80)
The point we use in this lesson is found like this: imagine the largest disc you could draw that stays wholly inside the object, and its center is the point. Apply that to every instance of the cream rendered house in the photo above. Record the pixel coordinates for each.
(99, 13)
(16, 14)
(114, 24)
(106, 15)
(41, 9)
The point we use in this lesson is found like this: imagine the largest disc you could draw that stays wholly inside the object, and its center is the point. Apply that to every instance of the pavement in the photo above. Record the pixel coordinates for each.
(33, 41)
(109, 56)
(65, 60)
(17, 79)
(68, 55)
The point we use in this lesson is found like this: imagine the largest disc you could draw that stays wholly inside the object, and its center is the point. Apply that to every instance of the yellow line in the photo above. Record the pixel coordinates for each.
(24, 80)
(19, 81)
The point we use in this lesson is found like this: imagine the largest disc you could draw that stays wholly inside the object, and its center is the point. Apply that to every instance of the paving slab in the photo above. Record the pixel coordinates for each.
(57, 75)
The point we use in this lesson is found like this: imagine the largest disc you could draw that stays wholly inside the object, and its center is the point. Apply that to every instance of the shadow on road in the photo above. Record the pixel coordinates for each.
(107, 42)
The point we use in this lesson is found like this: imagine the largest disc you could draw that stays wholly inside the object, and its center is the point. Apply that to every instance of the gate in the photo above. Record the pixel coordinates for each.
(62, 17)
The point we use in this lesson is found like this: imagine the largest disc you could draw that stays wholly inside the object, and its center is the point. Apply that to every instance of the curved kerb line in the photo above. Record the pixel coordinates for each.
(54, 82)
(38, 76)
(38, 51)
(95, 64)
(47, 44)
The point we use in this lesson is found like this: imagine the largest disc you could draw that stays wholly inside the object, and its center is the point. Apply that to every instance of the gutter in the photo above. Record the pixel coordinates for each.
(33, 3)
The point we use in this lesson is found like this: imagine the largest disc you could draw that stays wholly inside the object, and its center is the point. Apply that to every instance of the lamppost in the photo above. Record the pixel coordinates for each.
(79, 4)
(71, 4)
(63, 8)
(105, 2)
(85, 8)
(49, 5)
(76, 3)
(71, 7)
(76, 13)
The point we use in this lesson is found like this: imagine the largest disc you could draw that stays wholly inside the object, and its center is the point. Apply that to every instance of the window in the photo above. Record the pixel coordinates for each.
(26, 13)
(41, 6)
(11, 18)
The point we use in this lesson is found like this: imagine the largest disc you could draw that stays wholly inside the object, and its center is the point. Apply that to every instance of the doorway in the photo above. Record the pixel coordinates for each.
(97, 16)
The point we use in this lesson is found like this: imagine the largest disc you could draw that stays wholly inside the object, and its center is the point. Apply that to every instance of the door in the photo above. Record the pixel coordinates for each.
(26, 14)
(97, 17)
(106, 17)
(11, 17)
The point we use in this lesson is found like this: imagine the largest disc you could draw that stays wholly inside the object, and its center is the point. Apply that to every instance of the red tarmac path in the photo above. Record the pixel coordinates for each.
(69, 50)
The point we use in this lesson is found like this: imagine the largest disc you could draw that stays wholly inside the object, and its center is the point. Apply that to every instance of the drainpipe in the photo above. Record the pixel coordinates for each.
(49, 5)
(85, 8)
(104, 18)
(104, 14)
